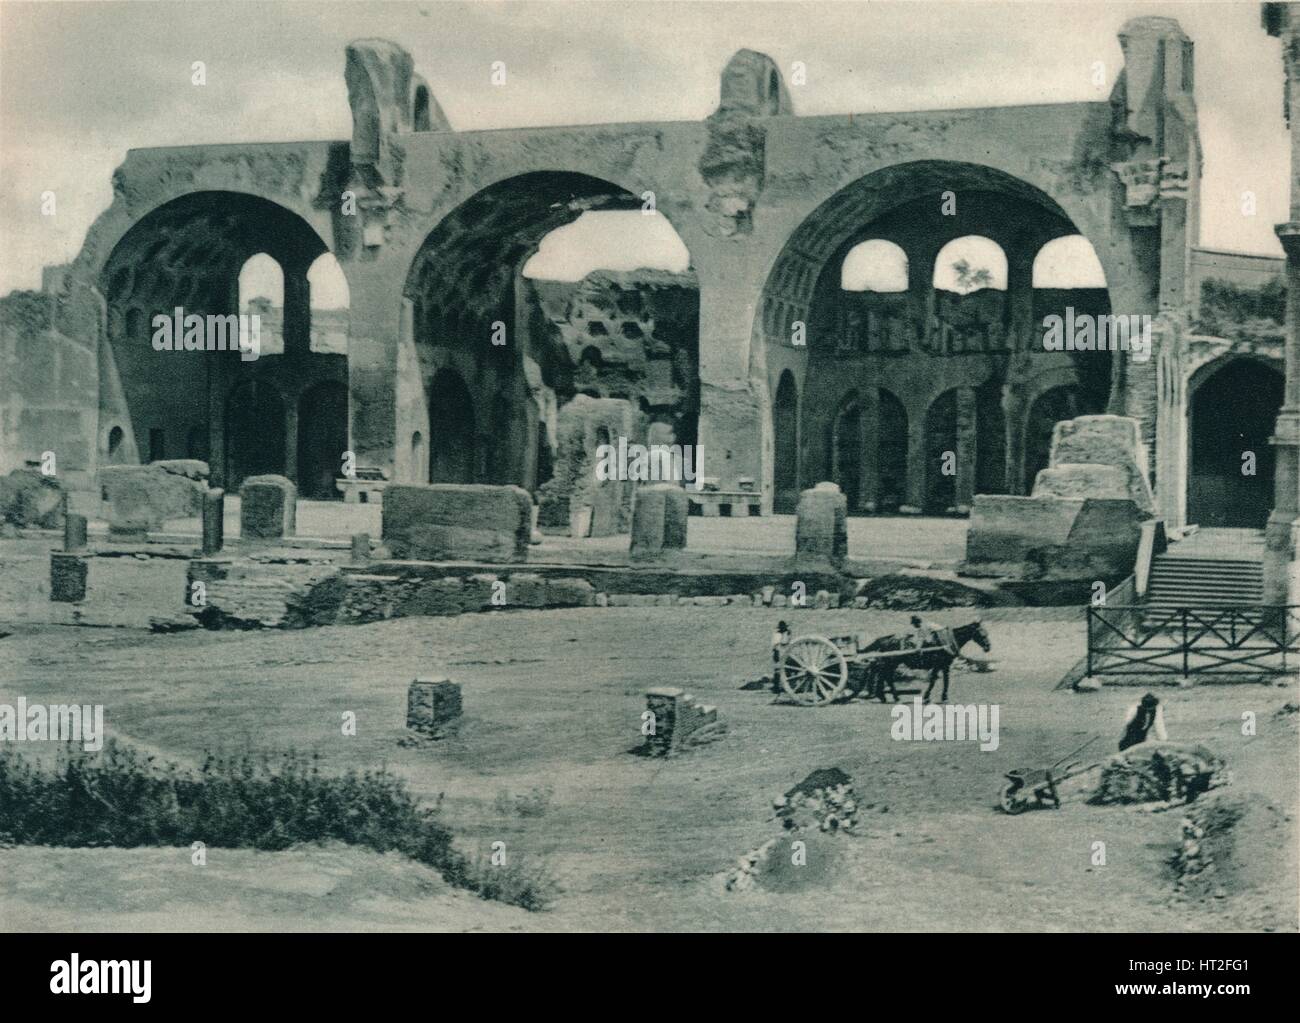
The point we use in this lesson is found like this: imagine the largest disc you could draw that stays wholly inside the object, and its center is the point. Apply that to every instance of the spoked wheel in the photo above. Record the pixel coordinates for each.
(813, 670)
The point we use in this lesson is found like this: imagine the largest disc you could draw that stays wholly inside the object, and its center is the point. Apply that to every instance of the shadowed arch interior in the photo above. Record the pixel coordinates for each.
(476, 315)
(187, 254)
(975, 349)
(1231, 418)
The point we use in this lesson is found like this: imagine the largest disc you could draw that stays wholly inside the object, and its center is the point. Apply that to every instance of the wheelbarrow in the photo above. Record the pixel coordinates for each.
(1029, 787)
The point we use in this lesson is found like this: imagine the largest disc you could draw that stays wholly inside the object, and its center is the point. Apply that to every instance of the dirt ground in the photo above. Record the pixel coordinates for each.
(553, 702)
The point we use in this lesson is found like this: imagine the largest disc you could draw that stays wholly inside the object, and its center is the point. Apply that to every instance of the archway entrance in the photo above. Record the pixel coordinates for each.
(322, 439)
(254, 433)
(1231, 419)
(452, 454)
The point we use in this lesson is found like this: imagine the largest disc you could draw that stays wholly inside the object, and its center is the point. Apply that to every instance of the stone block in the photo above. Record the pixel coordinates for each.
(451, 522)
(1054, 537)
(68, 577)
(526, 589)
(74, 532)
(1106, 440)
(821, 526)
(214, 521)
(444, 596)
(574, 496)
(659, 520)
(1074, 479)
(30, 498)
(268, 507)
(144, 497)
(360, 548)
(433, 707)
(569, 592)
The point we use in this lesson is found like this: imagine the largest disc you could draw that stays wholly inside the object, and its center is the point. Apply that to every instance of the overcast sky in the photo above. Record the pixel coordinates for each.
(80, 83)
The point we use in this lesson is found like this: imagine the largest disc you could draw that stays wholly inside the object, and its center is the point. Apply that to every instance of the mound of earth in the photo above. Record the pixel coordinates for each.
(1160, 772)
(1229, 847)
(900, 592)
(820, 806)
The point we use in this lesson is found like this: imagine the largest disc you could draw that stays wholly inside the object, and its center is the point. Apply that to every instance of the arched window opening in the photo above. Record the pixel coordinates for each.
(969, 264)
(330, 303)
(875, 265)
(1068, 262)
(261, 294)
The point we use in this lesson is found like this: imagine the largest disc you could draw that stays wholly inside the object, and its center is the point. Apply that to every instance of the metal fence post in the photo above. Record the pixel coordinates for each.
(1090, 612)
(1183, 612)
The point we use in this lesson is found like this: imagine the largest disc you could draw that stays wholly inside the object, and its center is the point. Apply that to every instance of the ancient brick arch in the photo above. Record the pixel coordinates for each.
(977, 350)
(187, 254)
(517, 344)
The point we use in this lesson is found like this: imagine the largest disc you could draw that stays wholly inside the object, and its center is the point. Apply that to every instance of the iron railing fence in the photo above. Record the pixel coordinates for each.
(1238, 641)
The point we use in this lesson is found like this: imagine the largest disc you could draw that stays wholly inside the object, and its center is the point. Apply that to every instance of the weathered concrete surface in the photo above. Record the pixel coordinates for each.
(143, 497)
(267, 508)
(452, 521)
(68, 577)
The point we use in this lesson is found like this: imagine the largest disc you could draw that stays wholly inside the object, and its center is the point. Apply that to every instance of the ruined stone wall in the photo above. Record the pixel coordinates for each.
(761, 198)
(48, 391)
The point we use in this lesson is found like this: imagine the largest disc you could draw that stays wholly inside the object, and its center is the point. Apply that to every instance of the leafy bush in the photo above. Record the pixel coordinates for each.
(125, 799)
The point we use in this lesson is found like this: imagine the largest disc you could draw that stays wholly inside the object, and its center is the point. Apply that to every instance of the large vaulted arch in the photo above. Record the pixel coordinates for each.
(961, 348)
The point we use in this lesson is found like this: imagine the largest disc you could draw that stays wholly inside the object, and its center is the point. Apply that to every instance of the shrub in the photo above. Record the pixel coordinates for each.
(272, 802)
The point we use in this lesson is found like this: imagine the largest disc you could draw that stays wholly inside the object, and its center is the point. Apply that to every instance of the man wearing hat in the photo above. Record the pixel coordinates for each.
(1142, 717)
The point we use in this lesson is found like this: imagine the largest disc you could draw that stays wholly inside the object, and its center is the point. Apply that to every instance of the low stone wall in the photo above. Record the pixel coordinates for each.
(280, 592)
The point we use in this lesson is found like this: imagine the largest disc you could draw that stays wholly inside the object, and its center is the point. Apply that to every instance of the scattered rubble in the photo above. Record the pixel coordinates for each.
(1160, 772)
(822, 804)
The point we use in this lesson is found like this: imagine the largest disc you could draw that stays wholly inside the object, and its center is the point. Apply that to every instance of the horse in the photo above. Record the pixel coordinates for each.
(934, 660)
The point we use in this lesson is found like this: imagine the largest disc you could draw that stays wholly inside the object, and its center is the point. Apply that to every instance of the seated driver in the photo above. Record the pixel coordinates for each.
(923, 633)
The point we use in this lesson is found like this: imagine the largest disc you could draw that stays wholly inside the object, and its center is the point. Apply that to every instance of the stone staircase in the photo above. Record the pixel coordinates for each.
(1212, 568)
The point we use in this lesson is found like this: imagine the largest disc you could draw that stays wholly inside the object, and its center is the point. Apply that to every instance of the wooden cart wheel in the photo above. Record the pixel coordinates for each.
(1010, 799)
(813, 670)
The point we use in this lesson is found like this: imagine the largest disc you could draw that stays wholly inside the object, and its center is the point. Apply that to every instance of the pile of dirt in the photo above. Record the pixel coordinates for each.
(1160, 772)
(1229, 846)
(821, 805)
(901, 592)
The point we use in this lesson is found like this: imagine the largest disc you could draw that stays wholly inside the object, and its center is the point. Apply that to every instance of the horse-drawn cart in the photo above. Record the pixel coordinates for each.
(820, 669)
(816, 670)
